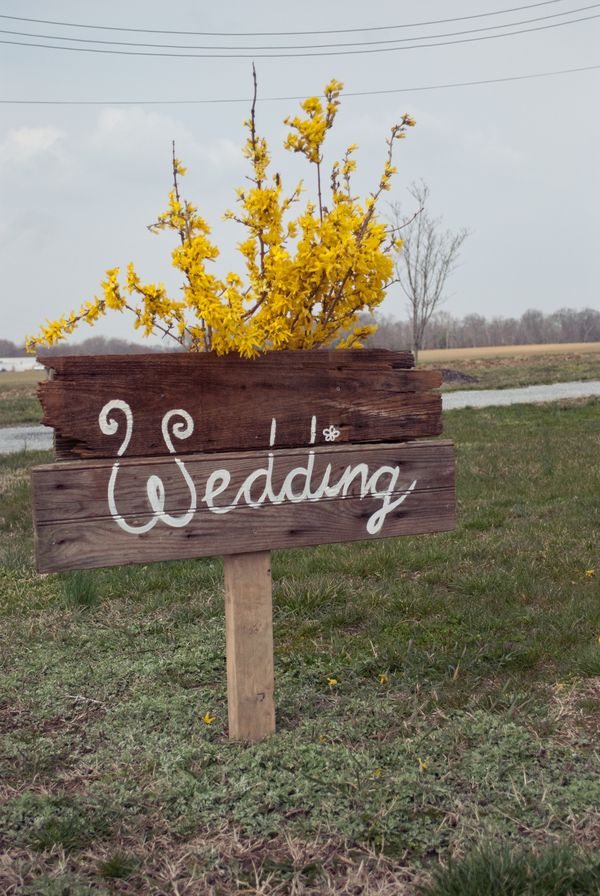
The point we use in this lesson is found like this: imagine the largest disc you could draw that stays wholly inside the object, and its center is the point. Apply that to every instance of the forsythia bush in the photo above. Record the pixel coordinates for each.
(306, 278)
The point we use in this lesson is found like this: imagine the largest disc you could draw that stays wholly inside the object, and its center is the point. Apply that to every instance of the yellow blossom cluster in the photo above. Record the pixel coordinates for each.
(307, 279)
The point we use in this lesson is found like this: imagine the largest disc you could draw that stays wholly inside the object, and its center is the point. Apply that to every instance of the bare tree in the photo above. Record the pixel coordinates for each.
(428, 256)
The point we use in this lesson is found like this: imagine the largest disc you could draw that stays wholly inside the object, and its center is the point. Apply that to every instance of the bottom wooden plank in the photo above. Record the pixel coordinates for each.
(64, 546)
(237, 504)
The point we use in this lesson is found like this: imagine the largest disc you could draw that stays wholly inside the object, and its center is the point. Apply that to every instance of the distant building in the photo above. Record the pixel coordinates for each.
(19, 364)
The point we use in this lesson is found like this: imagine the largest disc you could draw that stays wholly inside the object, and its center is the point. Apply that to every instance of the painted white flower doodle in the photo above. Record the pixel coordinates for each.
(331, 433)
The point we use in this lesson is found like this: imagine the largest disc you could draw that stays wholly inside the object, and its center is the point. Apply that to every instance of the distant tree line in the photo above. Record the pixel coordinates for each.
(95, 345)
(443, 331)
(474, 330)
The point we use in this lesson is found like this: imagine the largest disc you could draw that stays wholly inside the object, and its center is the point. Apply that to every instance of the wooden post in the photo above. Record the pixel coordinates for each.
(249, 640)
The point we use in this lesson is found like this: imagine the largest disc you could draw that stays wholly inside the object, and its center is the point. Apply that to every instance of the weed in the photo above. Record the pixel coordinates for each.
(118, 866)
(80, 589)
(502, 871)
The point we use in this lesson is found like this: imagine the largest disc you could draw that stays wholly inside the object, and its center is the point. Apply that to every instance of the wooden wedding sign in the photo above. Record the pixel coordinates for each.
(172, 456)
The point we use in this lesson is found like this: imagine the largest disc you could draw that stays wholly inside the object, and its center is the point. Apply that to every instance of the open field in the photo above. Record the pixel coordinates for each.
(464, 716)
(18, 403)
(513, 366)
(441, 356)
(25, 378)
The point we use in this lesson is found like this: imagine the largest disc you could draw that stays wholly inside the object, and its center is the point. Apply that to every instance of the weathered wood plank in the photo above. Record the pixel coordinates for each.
(211, 364)
(79, 489)
(238, 503)
(249, 640)
(368, 395)
(65, 546)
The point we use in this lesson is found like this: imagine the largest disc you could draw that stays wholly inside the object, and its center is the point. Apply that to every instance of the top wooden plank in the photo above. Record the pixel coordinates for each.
(366, 395)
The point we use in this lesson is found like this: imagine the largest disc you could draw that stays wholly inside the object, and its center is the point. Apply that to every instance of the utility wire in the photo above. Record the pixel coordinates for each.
(463, 40)
(278, 99)
(480, 15)
(119, 43)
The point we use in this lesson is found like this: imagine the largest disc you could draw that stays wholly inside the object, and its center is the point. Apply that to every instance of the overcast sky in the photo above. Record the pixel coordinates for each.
(515, 162)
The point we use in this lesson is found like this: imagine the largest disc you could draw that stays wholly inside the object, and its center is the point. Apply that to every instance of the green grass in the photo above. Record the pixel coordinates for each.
(18, 401)
(555, 871)
(16, 409)
(532, 370)
(482, 736)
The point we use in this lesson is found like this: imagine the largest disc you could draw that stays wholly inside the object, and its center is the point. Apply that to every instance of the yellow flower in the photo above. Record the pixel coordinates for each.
(377, 773)
(305, 280)
(590, 573)
(208, 719)
(422, 765)
(332, 682)
(383, 679)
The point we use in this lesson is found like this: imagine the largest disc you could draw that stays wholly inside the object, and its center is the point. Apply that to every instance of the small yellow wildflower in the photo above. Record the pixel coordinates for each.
(590, 573)
(383, 679)
(332, 682)
(598, 639)
(208, 719)
(377, 773)
(422, 765)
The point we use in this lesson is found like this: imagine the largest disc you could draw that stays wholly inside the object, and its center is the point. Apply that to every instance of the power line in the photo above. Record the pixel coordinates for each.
(278, 99)
(480, 15)
(86, 40)
(420, 46)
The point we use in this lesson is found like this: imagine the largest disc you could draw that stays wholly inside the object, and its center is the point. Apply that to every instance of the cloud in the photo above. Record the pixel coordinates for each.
(144, 137)
(120, 129)
(24, 145)
(223, 154)
(487, 143)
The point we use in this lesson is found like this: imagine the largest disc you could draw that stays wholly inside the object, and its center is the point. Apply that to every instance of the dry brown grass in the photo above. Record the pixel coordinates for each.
(8, 478)
(576, 706)
(216, 864)
(442, 356)
(21, 377)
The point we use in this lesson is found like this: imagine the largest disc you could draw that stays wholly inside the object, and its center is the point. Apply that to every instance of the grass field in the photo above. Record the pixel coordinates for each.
(18, 402)
(456, 754)
(512, 366)
(440, 356)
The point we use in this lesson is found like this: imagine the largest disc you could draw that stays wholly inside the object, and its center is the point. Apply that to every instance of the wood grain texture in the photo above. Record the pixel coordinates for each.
(75, 529)
(249, 641)
(369, 395)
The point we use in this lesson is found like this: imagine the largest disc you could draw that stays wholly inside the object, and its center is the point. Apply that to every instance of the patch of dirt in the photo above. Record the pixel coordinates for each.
(13, 717)
(455, 376)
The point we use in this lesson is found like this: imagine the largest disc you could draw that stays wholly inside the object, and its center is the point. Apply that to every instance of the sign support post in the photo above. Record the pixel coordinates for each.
(249, 645)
